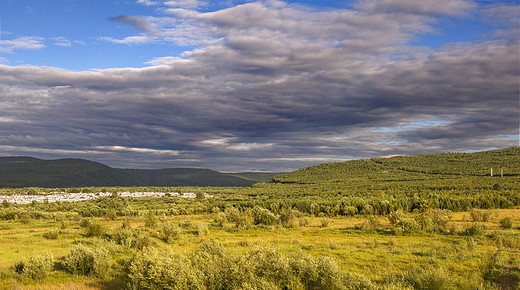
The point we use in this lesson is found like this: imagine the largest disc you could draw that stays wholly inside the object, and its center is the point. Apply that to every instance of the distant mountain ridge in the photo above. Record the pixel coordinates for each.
(30, 171)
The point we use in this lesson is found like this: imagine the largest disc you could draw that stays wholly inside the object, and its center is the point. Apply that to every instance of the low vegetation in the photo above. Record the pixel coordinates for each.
(395, 223)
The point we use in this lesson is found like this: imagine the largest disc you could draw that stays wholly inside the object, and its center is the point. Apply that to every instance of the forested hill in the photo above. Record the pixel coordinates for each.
(441, 165)
(28, 171)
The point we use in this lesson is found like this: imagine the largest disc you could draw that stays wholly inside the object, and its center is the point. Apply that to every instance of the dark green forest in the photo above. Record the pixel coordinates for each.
(28, 171)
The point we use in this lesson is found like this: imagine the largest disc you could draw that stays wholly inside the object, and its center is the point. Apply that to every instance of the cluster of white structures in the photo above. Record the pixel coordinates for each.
(77, 197)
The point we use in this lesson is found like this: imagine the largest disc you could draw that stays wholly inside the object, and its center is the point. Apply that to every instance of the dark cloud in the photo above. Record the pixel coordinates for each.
(291, 88)
(135, 21)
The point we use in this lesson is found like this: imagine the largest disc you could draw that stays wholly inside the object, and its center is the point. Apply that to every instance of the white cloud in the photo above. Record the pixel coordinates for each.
(148, 2)
(183, 13)
(138, 150)
(185, 3)
(62, 41)
(138, 39)
(22, 43)
(167, 60)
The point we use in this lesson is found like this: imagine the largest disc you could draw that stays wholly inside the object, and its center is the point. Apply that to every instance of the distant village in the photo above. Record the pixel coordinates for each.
(81, 196)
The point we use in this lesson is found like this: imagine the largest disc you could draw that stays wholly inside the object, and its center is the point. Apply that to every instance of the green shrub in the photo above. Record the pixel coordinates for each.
(506, 222)
(143, 241)
(430, 278)
(434, 221)
(212, 267)
(304, 222)
(52, 235)
(243, 221)
(170, 232)
(395, 217)
(111, 215)
(350, 210)
(440, 220)
(126, 237)
(325, 222)
(371, 223)
(407, 226)
(95, 230)
(288, 217)
(478, 215)
(220, 219)
(202, 230)
(85, 260)
(232, 214)
(36, 267)
(85, 223)
(474, 230)
(264, 217)
(150, 220)
(162, 269)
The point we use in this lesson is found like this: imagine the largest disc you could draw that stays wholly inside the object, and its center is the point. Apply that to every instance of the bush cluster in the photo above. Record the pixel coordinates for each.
(37, 266)
(130, 238)
(429, 221)
(211, 267)
(88, 260)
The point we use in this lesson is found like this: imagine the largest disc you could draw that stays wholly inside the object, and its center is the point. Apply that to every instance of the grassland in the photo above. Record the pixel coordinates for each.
(397, 223)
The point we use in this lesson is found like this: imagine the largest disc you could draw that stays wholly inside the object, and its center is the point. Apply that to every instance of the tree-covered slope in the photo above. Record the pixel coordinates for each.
(185, 177)
(441, 165)
(257, 176)
(28, 171)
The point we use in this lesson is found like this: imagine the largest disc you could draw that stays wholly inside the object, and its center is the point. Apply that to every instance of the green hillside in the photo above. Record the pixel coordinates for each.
(257, 176)
(454, 181)
(28, 171)
(433, 166)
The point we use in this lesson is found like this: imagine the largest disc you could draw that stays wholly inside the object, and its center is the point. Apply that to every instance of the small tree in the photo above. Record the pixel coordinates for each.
(150, 219)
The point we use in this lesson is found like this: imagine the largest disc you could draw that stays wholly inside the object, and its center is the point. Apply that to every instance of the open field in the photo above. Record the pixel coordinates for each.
(462, 260)
(373, 224)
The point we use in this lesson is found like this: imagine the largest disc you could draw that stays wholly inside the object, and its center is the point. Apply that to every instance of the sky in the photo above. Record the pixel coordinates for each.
(256, 85)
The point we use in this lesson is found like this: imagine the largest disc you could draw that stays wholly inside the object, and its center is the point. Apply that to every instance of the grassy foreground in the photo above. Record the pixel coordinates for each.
(423, 222)
(374, 252)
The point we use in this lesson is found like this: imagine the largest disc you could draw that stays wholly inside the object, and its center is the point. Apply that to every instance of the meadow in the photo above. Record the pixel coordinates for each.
(424, 222)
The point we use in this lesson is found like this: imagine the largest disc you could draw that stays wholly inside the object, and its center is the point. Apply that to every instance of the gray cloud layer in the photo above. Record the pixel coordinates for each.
(275, 86)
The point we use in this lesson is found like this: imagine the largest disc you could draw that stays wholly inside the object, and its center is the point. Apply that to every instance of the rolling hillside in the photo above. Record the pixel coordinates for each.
(433, 166)
(28, 171)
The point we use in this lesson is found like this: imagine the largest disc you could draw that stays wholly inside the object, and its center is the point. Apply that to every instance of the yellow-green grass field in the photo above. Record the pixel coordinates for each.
(378, 253)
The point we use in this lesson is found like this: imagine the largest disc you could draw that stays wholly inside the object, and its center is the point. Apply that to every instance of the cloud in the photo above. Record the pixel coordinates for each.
(273, 86)
(167, 60)
(185, 3)
(64, 42)
(139, 150)
(22, 43)
(148, 2)
(135, 21)
(425, 7)
(128, 40)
